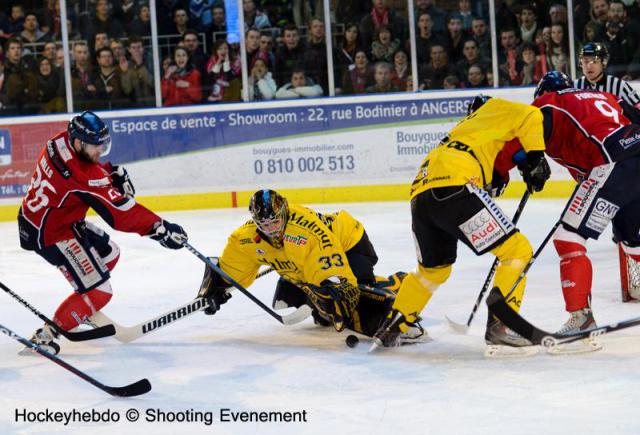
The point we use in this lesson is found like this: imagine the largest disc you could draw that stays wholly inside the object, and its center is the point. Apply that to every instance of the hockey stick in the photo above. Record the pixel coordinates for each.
(499, 307)
(289, 319)
(463, 329)
(127, 334)
(91, 334)
(137, 388)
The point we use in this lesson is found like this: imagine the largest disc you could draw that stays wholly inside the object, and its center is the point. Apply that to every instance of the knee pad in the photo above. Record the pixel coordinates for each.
(514, 252)
(432, 277)
(77, 308)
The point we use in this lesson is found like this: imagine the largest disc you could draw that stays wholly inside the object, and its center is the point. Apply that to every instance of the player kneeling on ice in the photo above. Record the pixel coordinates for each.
(68, 180)
(590, 134)
(324, 260)
(451, 201)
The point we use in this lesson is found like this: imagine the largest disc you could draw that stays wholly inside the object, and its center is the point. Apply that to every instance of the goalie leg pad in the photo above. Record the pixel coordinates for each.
(77, 308)
(514, 254)
(576, 271)
(418, 287)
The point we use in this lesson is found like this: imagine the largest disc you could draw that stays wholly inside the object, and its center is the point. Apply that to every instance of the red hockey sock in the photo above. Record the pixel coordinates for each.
(575, 273)
(78, 307)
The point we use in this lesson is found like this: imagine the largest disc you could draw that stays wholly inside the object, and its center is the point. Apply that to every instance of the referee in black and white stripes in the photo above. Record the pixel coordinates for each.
(593, 61)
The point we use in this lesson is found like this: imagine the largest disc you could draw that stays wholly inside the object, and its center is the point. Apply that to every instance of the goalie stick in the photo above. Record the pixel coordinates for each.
(499, 307)
(463, 329)
(135, 389)
(91, 334)
(127, 334)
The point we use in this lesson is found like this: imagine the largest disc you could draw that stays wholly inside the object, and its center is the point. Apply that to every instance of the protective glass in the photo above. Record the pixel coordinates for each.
(104, 145)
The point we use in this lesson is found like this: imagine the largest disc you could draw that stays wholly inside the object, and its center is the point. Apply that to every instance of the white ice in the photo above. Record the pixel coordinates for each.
(244, 360)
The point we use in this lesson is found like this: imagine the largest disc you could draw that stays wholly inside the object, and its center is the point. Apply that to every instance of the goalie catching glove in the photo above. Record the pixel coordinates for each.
(335, 299)
(213, 288)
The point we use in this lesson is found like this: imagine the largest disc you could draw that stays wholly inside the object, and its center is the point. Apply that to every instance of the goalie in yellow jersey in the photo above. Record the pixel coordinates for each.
(324, 260)
(450, 201)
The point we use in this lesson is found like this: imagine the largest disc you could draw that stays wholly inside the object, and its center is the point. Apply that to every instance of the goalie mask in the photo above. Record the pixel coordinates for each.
(270, 212)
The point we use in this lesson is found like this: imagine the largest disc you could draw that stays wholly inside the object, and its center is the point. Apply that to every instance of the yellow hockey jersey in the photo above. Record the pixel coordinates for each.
(467, 153)
(313, 249)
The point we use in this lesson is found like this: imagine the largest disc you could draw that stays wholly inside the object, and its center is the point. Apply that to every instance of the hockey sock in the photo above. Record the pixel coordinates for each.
(78, 307)
(514, 254)
(575, 274)
(417, 288)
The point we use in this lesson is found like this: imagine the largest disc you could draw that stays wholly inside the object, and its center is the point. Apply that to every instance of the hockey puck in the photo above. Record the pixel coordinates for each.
(352, 341)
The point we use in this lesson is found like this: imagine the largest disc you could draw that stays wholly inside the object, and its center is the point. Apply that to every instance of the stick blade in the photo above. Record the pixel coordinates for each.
(136, 389)
(297, 316)
(90, 334)
(456, 327)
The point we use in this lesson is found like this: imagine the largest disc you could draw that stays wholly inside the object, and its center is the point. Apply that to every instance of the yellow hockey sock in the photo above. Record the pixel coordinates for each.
(514, 254)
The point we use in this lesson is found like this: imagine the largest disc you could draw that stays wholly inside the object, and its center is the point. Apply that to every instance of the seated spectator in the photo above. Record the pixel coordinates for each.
(107, 79)
(382, 15)
(481, 36)
(81, 70)
(558, 50)
(438, 16)
(528, 23)
(117, 48)
(383, 47)
(140, 73)
(20, 83)
(200, 14)
(300, 86)
(451, 82)
(345, 50)
(261, 83)
(50, 23)
(181, 82)
(382, 80)
(620, 50)
(558, 13)
(253, 17)
(401, 69)
(475, 78)
(16, 20)
(219, 24)
(49, 51)
(124, 11)
(508, 59)
(471, 56)
(532, 68)
(74, 35)
(315, 54)
(425, 38)
(252, 45)
(100, 40)
(455, 39)
(599, 12)
(432, 74)
(141, 24)
(31, 32)
(180, 22)
(102, 22)
(50, 88)
(290, 55)
(266, 50)
(59, 59)
(464, 11)
(191, 41)
(356, 79)
(224, 72)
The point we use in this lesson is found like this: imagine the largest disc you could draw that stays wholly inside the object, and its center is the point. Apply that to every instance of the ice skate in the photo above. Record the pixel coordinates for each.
(45, 338)
(502, 342)
(579, 320)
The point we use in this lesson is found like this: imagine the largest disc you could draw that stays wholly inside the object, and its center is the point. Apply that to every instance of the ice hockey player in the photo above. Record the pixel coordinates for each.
(451, 200)
(324, 260)
(68, 180)
(589, 133)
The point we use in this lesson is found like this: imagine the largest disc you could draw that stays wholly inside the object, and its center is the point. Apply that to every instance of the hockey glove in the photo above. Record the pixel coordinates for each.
(535, 171)
(213, 288)
(335, 300)
(497, 186)
(121, 181)
(169, 235)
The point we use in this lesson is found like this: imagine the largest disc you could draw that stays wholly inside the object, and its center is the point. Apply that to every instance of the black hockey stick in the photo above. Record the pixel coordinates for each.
(463, 329)
(137, 388)
(91, 334)
(288, 319)
(499, 307)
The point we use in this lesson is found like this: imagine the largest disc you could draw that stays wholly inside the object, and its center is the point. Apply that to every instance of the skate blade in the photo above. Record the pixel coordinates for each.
(27, 351)
(498, 351)
(581, 346)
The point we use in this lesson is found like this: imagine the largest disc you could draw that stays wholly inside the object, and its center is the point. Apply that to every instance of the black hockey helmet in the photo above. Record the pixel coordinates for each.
(91, 130)
(270, 211)
(477, 102)
(553, 81)
(597, 50)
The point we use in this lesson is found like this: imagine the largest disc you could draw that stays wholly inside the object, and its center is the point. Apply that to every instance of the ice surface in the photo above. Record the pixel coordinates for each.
(242, 359)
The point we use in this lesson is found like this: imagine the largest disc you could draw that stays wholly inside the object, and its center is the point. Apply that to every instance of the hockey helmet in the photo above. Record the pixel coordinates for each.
(553, 81)
(597, 50)
(90, 130)
(270, 211)
(477, 102)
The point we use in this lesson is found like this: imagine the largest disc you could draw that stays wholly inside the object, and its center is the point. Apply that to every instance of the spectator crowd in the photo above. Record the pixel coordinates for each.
(286, 51)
